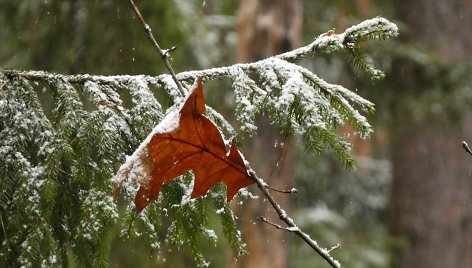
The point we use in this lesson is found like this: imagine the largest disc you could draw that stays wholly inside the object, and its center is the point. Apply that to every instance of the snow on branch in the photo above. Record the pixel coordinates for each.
(295, 98)
(89, 114)
(376, 28)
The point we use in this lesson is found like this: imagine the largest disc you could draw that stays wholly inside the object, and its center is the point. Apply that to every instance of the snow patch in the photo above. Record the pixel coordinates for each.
(139, 165)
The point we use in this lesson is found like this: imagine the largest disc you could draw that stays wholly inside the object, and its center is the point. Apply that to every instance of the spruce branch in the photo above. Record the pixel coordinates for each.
(377, 28)
(75, 131)
(313, 106)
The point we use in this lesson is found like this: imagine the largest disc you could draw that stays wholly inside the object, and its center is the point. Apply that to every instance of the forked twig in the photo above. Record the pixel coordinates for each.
(164, 53)
(292, 227)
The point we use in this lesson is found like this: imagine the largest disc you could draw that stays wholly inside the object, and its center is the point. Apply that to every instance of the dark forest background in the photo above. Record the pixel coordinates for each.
(408, 203)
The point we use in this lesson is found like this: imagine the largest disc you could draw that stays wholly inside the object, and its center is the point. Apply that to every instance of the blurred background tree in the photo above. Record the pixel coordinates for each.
(421, 116)
(432, 186)
(267, 28)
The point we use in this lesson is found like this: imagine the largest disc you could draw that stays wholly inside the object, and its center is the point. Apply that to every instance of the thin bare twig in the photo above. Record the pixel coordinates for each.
(324, 253)
(334, 247)
(164, 53)
(288, 229)
(466, 147)
(291, 191)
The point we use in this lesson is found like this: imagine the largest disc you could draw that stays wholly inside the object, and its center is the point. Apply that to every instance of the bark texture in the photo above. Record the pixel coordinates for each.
(432, 190)
(266, 28)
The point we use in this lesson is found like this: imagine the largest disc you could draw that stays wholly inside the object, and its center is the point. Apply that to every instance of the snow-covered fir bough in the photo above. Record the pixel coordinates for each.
(56, 162)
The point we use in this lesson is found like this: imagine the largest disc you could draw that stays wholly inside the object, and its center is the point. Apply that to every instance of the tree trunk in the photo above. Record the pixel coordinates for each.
(266, 28)
(432, 188)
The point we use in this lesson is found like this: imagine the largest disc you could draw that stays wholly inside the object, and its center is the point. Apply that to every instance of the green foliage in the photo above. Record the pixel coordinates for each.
(57, 161)
(82, 36)
(56, 203)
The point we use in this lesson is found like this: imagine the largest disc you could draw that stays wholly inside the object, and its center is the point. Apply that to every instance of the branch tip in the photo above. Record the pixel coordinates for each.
(291, 191)
(334, 247)
(466, 147)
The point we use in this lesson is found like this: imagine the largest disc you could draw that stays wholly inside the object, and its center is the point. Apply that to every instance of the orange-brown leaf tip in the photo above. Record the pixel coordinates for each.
(233, 150)
(241, 178)
(142, 199)
(235, 184)
(195, 102)
(230, 194)
(153, 193)
(196, 193)
(200, 106)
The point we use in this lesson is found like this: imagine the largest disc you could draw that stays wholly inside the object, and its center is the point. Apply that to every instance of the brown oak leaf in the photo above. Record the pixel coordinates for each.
(195, 145)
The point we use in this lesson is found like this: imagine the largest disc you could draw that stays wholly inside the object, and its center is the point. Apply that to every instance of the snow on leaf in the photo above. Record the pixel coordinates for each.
(184, 141)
